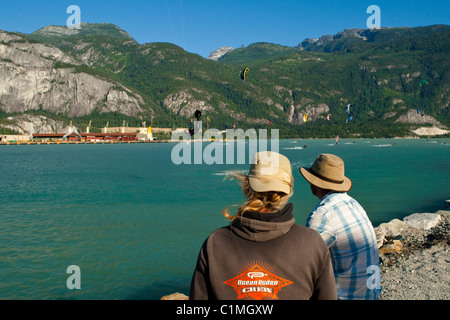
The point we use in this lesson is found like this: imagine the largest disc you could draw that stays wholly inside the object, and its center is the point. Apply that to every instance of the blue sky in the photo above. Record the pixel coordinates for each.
(201, 26)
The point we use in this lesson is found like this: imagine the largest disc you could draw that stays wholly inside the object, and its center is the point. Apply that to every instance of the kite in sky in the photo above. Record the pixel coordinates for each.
(242, 74)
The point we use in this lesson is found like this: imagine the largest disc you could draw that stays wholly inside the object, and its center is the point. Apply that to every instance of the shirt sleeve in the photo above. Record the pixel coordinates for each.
(319, 221)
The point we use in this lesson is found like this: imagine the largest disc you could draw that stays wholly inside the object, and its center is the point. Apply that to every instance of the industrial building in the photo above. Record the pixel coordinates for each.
(87, 137)
(5, 138)
(119, 134)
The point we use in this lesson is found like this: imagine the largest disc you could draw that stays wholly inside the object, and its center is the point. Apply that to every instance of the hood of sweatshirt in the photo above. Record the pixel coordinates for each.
(261, 227)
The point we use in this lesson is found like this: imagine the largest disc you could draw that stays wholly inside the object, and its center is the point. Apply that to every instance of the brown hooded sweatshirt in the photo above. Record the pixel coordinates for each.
(264, 256)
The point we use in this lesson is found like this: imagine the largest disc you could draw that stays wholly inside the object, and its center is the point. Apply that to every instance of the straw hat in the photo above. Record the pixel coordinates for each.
(327, 172)
(270, 171)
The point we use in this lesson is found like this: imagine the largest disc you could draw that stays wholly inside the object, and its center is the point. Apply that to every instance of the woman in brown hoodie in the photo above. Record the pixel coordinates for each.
(263, 254)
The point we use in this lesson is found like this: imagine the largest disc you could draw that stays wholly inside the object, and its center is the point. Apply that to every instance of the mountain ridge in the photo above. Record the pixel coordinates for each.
(218, 53)
(339, 41)
(283, 84)
(85, 29)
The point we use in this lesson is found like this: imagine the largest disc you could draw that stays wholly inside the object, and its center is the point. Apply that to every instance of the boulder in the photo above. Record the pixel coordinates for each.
(393, 229)
(380, 233)
(423, 221)
(175, 296)
(444, 213)
(395, 247)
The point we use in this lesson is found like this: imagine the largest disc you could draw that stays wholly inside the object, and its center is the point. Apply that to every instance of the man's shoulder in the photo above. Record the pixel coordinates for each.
(335, 199)
(331, 202)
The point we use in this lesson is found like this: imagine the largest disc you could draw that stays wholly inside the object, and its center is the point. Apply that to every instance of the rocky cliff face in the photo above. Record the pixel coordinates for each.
(416, 117)
(184, 104)
(298, 109)
(309, 44)
(35, 124)
(217, 54)
(35, 76)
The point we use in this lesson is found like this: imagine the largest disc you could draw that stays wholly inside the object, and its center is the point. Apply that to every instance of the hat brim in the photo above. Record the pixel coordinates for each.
(344, 186)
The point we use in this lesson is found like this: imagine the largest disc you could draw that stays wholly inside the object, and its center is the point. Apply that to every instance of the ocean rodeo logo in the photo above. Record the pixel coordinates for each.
(213, 153)
(257, 281)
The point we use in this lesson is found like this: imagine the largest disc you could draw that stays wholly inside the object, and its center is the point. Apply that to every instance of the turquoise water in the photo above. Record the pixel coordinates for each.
(134, 222)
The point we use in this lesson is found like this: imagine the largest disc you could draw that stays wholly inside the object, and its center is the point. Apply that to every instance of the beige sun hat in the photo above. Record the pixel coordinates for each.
(270, 171)
(327, 172)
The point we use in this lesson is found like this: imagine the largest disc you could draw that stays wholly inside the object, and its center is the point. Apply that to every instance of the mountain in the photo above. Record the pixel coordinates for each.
(54, 33)
(217, 54)
(100, 73)
(36, 76)
(256, 52)
(359, 40)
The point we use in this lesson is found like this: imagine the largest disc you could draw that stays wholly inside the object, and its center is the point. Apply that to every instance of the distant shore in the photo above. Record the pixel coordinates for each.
(175, 141)
(80, 142)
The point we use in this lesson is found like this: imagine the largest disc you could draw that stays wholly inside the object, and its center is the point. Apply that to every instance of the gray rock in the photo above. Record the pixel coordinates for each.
(395, 228)
(444, 213)
(413, 117)
(34, 76)
(424, 221)
(380, 233)
(217, 54)
(175, 296)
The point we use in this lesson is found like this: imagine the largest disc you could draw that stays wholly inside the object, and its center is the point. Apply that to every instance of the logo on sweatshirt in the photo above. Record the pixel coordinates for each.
(257, 281)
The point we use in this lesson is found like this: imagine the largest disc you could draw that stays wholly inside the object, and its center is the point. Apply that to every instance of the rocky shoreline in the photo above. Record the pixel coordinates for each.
(414, 255)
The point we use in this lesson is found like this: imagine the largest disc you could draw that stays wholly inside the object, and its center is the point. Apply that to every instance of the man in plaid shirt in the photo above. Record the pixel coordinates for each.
(347, 231)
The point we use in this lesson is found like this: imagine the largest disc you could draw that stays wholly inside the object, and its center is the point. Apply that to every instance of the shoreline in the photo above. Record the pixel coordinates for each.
(80, 142)
(414, 256)
(176, 141)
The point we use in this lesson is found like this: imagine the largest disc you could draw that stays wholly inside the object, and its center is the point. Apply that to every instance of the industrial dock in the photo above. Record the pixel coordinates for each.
(109, 135)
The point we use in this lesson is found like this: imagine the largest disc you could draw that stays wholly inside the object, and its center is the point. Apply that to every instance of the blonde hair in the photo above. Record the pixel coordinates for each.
(256, 201)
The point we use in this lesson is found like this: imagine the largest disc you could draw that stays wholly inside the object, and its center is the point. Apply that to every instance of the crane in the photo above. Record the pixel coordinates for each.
(105, 129)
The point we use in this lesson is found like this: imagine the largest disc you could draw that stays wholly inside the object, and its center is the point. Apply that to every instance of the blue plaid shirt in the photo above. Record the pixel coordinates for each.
(349, 234)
